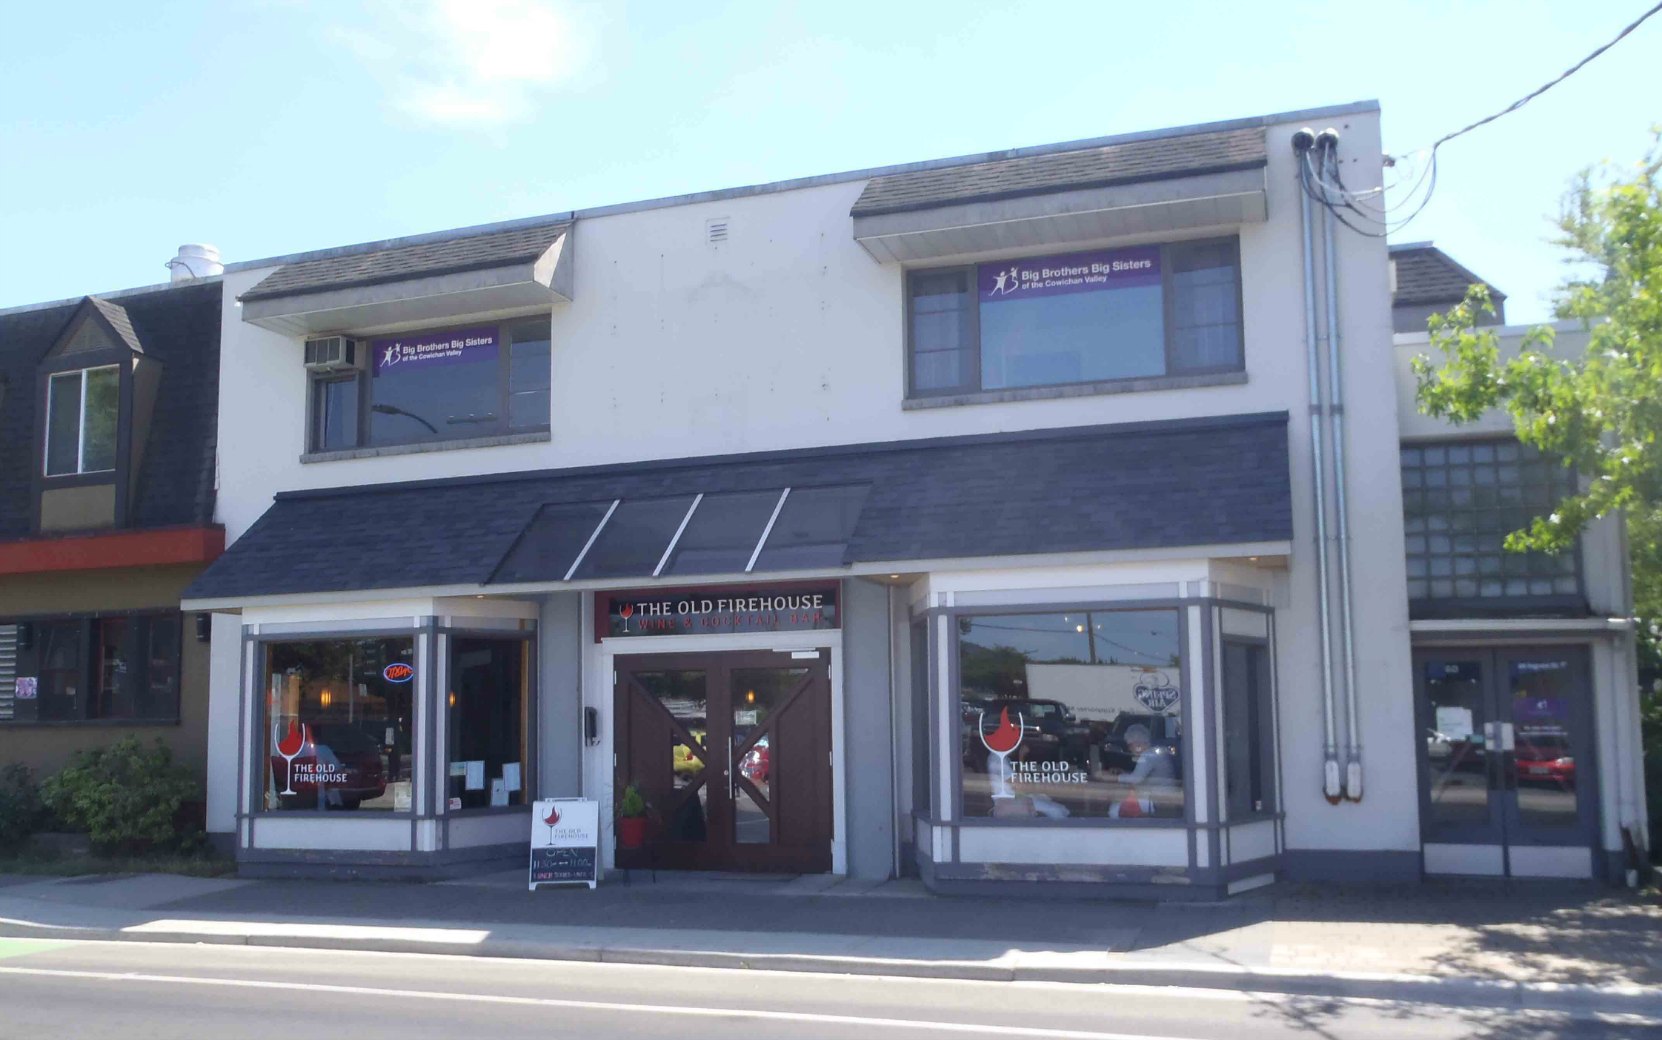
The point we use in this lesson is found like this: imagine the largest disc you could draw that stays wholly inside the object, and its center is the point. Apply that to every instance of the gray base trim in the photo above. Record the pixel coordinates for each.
(385, 866)
(529, 437)
(1367, 865)
(1048, 393)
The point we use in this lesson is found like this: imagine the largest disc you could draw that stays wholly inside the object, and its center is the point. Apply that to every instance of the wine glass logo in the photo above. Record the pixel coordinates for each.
(289, 747)
(626, 612)
(1002, 740)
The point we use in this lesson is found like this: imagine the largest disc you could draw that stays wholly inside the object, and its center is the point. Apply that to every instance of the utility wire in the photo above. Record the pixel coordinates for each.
(1543, 88)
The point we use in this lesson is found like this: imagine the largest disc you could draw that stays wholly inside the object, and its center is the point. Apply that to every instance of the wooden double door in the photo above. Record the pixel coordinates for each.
(732, 751)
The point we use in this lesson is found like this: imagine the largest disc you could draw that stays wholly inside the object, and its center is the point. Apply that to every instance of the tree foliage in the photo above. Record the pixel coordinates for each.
(1601, 412)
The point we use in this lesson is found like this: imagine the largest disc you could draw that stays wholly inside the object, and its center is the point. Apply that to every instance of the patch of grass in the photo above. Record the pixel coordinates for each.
(49, 863)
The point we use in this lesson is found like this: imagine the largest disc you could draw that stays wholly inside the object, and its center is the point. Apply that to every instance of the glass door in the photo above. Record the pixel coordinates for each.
(732, 753)
(1505, 752)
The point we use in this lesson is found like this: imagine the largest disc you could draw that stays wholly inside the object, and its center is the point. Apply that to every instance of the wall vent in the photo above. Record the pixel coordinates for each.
(715, 230)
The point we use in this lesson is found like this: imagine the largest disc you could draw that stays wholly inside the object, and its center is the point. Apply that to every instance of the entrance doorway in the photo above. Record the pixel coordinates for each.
(732, 752)
(1506, 761)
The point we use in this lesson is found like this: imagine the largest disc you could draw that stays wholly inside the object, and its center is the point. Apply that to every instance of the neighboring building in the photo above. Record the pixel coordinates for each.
(107, 427)
(957, 518)
(1426, 281)
(1529, 652)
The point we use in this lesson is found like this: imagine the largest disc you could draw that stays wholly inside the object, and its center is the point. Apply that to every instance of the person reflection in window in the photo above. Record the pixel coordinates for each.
(1154, 772)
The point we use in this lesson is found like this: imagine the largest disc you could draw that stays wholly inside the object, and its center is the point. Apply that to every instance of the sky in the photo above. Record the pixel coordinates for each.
(274, 126)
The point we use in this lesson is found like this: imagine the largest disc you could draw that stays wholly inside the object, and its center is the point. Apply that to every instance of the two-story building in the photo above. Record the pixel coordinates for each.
(990, 518)
(107, 427)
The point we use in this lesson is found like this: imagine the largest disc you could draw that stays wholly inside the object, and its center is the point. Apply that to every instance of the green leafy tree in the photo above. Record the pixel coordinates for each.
(1601, 412)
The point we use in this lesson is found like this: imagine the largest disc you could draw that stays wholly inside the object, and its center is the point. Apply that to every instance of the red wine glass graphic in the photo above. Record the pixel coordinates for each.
(626, 612)
(289, 747)
(1001, 741)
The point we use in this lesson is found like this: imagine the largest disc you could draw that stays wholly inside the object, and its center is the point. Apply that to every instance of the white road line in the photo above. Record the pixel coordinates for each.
(599, 1005)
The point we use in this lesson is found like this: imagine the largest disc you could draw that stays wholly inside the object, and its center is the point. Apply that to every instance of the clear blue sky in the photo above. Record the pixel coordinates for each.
(272, 126)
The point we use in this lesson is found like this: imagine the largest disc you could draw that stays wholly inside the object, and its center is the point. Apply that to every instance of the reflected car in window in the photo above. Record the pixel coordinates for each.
(339, 765)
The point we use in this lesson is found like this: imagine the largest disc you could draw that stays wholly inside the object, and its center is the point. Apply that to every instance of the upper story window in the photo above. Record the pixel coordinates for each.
(1460, 501)
(82, 408)
(451, 384)
(1091, 317)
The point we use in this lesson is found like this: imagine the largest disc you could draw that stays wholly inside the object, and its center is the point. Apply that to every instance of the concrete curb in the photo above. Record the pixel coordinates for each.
(1571, 998)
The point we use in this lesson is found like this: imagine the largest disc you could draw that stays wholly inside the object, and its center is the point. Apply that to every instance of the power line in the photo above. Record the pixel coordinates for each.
(1543, 88)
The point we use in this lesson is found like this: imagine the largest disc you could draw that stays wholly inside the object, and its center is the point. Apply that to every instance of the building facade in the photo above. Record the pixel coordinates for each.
(107, 425)
(979, 519)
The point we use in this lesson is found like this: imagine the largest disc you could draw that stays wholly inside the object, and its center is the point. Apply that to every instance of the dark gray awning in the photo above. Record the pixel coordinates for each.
(1144, 185)
(1221, 481)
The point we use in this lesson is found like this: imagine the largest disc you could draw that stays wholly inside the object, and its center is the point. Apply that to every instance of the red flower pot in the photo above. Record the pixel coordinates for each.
(631, 832)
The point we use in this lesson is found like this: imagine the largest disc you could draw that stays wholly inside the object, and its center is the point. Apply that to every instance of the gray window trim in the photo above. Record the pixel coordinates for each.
(973, 393)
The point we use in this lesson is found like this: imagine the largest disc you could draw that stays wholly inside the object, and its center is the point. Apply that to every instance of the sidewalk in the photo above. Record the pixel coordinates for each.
(1545, 946)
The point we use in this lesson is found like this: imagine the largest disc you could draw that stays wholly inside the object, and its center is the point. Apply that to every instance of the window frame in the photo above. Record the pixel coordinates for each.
(364, 393)
(1262, 685)
(87, 668)
(527, 641)
(972, 348)
(1534, 604)
(80, 469)
(1185, 714)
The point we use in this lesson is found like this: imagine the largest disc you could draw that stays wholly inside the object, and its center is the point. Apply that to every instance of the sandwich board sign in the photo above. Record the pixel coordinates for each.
(565, 842)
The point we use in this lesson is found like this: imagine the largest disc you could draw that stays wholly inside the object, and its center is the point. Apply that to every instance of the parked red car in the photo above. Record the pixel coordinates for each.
(1545, 760)
(338, 759)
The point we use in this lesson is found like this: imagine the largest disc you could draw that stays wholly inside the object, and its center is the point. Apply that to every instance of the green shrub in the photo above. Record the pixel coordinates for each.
(125, 796)
(20, 809)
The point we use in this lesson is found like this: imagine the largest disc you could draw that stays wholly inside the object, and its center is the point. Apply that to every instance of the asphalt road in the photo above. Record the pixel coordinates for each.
(93, 990)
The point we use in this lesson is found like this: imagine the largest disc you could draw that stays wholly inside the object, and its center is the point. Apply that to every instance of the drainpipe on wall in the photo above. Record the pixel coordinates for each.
(1327, 146)
(1303, 141)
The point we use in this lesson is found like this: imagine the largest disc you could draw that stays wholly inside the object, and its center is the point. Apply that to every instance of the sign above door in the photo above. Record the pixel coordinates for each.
(717, 611)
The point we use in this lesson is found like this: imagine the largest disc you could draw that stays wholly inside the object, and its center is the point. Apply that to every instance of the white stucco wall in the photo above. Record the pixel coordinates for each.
(790, 334)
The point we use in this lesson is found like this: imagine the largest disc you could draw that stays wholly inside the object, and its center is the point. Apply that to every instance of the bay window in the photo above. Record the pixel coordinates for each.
(1102, 316)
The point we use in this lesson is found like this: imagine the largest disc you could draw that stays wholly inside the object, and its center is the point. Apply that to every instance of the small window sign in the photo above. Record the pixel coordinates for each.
(28, 687)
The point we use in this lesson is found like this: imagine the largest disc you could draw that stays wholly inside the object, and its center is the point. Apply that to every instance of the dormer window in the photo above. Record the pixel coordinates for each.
(82, 412)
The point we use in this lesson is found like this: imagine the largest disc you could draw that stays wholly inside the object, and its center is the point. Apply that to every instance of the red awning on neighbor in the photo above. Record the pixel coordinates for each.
(88, 552)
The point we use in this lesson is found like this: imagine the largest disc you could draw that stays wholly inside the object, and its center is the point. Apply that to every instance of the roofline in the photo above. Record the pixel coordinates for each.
(1205, 422)
(1403, 339)
(140, 290)
(718, 195)
(1473, 276)
(1404, 246)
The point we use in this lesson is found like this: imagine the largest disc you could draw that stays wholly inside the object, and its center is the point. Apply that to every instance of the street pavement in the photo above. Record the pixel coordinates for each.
(1553, 947)
(128, 990)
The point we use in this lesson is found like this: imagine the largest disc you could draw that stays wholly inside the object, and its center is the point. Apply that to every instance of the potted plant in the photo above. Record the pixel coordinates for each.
(631, 819)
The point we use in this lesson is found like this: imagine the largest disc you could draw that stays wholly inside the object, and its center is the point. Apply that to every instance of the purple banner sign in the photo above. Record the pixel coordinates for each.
(424, 349)
(1101, 269)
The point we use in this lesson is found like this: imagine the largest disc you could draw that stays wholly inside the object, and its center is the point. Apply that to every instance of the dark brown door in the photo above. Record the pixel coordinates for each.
(733, 754)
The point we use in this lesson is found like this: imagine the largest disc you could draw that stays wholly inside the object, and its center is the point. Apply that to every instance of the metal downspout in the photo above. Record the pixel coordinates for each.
(1327, 146)
(1303, 140)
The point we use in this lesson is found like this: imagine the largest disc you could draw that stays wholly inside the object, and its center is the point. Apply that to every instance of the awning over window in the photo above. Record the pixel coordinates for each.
(1143, 185)
(437, 278)
(1211, 482)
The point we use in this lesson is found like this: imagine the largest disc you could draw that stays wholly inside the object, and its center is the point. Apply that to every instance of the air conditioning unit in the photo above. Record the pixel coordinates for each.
(334, 354)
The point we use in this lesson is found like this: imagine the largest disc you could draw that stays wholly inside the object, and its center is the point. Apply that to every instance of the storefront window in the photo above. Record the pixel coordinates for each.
(1072, 715)
(116, 667)
(1248, 730)
(338, 719)
(486, 723)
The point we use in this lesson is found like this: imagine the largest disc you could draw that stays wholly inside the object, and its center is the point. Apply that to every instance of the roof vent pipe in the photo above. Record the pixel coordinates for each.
(195, 260)
(1303, 141)
(1327, 147)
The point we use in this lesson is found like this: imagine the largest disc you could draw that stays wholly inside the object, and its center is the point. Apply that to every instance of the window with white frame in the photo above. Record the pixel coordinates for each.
(82, 409)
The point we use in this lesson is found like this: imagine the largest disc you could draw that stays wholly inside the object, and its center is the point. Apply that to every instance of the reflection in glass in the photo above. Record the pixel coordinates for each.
(757, 695)
(485, 724)
(1457, 771)
(683, 696)
(338, 719)
(1115, 333)
(1071, 715)
(1542, 749)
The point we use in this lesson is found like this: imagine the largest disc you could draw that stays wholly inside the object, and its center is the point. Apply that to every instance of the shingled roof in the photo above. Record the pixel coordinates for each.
(179, 327)
(1426, 274)
(1156, 158)
(414, 260)
(1133, 486)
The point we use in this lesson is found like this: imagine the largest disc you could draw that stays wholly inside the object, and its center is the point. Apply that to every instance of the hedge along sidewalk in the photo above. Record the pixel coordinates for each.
(1576, 951)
